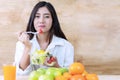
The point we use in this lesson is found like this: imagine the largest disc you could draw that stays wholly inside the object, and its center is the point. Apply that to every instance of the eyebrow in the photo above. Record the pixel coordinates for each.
(44, 13)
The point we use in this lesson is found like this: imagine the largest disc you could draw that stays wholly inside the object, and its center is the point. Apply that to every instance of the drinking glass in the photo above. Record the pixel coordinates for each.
(9, 72)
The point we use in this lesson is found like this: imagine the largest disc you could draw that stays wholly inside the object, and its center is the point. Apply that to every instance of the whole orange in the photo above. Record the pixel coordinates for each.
(67, 75)
(77, 77)
(91, 77)
(84, 73)
(60, 77)
(76, 68)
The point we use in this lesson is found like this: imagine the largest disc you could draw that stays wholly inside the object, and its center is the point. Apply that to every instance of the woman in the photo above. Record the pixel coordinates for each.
(51, 38)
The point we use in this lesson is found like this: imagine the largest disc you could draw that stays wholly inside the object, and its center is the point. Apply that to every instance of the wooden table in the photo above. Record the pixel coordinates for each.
(101, 77)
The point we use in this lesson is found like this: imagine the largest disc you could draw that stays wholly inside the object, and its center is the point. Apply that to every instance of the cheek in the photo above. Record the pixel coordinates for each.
(50, 23)
(34, 22)
(35, 25)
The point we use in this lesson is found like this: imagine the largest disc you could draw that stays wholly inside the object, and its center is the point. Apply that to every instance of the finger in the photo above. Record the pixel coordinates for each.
(19, 33)
(28, 37)
(23, 37)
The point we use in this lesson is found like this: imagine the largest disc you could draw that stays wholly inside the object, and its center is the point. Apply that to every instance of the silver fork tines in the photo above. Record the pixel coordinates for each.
(32, 32)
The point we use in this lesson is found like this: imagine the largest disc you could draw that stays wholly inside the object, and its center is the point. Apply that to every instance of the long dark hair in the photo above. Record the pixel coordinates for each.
(55, 29)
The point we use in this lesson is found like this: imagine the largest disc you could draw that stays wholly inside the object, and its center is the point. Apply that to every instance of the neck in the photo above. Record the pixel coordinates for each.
(43, 40)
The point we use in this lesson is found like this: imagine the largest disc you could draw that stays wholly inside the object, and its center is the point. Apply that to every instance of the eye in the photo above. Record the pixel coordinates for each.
(47, 16)
(37, 16)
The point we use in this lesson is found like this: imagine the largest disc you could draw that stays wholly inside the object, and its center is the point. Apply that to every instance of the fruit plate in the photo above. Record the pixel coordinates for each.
(39, 57)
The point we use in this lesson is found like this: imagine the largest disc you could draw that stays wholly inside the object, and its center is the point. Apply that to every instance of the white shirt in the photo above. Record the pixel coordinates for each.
(59, 47)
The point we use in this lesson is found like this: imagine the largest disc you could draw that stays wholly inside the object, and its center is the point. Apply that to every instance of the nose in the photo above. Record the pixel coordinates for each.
(41, 19)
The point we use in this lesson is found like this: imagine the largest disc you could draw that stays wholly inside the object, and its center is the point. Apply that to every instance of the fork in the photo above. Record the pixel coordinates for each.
(32, 32)
(40, 31)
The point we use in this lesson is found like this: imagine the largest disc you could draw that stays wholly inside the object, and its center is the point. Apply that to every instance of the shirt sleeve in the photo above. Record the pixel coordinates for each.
(69, 55)
(18, 55)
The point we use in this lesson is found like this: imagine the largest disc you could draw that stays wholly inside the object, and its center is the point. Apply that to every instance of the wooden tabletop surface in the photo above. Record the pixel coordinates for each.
(101, 77)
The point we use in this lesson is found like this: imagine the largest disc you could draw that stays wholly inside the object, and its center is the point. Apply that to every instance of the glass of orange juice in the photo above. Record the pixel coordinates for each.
(9, 72)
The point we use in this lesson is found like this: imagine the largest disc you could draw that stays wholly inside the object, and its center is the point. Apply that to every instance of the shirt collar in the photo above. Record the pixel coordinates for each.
(55, 41)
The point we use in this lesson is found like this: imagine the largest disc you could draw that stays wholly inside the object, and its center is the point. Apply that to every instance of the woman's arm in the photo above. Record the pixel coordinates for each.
(22, 57)
(19, 52)
(25, 60)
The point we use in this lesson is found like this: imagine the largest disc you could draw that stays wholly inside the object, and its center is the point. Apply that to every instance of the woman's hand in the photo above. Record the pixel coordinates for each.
(24, 38)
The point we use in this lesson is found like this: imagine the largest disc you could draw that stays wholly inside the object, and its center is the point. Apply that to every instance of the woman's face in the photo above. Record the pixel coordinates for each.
(43, 20)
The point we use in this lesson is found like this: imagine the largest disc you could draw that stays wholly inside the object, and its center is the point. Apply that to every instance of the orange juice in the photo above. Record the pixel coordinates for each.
(9, 72)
